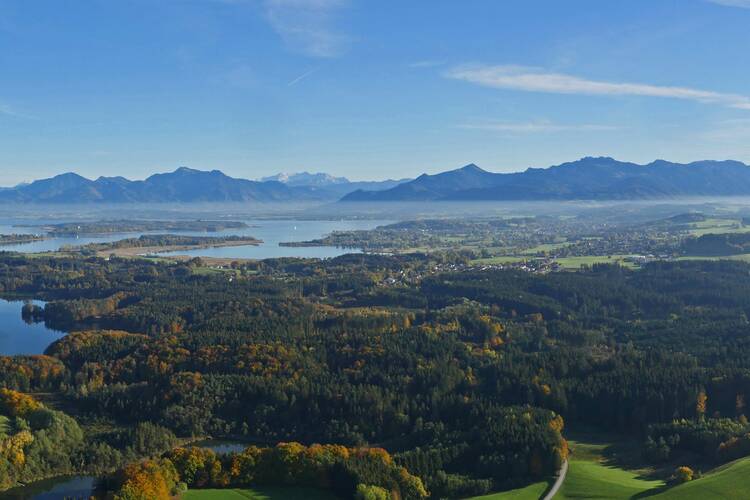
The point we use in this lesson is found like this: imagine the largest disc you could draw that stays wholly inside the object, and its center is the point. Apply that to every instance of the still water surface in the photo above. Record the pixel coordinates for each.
(20, 337)
(57, 488)
(272, 232)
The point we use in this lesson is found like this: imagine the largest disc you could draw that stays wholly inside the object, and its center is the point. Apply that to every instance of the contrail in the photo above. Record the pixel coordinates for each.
(302, 77)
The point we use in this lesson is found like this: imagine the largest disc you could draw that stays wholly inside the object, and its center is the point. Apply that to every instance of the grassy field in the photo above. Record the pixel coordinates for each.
(590, 260)
(270, 493)
(565, 262)
(601, 470)
(502, 259)
(596, 469)
(531, 492)
(588, 479)
(729, 481)
(549, 247)
(718, 226)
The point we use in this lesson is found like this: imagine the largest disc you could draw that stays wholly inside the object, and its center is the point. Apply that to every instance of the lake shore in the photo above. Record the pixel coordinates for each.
(155, 250)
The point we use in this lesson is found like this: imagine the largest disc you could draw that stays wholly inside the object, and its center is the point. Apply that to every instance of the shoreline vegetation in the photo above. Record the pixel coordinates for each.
(161, 243)
(19, 239)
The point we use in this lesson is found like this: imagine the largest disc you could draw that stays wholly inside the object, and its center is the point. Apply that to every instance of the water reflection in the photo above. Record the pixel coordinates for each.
(23, 336)
(272, 232)
(58, 488)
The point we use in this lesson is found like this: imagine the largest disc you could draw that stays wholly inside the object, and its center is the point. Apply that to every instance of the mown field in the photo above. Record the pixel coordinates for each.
(588, 479)
(596, 472)
(590, 260)
(728, 481)
(718, 226)
(565, 262)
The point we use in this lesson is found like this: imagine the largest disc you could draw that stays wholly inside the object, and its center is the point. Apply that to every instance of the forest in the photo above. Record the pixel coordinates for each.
(368, 371)
(161, 243)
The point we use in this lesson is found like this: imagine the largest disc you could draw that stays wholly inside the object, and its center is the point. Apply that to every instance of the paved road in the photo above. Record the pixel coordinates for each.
(558, 483)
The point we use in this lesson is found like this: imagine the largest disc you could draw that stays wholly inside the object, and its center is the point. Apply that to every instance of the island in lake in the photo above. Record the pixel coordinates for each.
(18, 239)
(161, 243)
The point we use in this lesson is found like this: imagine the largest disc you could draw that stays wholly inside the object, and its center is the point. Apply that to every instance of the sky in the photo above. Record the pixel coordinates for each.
(367, 89)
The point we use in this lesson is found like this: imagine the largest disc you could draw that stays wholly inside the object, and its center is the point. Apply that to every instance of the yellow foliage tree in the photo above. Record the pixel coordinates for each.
(700, 405)
(149, 480)
(12, 447)
(17, 404)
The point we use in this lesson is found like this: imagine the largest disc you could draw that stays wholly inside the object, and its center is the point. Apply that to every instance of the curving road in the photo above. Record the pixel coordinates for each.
(558, 482)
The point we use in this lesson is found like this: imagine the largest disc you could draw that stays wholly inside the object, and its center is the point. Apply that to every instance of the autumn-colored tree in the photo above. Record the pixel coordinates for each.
(370, 492)
(557, 423)
(700, 405)
(376, 453)
(12, 447)
(411, 486)
(149, 480)
(199, 467)
(17, 404)
(245, 465)
(683, 474)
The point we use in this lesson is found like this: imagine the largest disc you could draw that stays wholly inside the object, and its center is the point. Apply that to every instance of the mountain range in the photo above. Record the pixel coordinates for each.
(327, 184)
(184, 185)
(306, 179)
(586, 179)
(590, 178)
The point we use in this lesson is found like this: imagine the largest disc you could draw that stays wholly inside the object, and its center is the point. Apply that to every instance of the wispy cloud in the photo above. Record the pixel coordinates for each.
(6, 110)
(531, 79)
(301, 77)
(729, 131)
(240, 75)
(306, 26)
(536, 127)
(426, 64)
(745, 4)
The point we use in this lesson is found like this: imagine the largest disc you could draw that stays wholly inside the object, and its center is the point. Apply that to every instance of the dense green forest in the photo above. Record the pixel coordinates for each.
(467, 379)
(718, 244)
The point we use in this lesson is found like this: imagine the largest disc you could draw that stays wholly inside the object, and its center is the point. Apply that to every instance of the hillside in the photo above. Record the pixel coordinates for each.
(729, 481)
(585, 179)
(184, 185)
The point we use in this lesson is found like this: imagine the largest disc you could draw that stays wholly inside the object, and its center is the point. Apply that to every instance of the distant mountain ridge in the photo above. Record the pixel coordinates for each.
(184, 185)
(328, 185)
(306, 179)
(586, 179)
(590, 178)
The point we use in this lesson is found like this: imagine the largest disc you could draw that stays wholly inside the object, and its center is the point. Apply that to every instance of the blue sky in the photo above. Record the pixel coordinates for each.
(367, 89)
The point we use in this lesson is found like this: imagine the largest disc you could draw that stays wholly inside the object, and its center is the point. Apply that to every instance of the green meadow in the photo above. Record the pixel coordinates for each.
(260, 493)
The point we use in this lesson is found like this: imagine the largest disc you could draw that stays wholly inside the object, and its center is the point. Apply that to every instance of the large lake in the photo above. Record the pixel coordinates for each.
(272, 232)
(19, 337)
